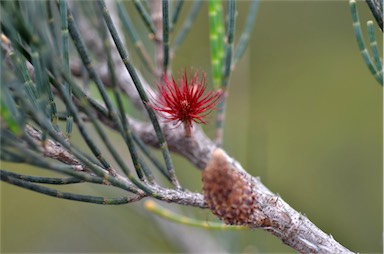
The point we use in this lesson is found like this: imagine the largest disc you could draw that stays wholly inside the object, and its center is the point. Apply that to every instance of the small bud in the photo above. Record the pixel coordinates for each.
(228, 194)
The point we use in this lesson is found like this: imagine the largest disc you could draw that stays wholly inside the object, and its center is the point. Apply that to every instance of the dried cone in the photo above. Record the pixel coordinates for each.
(226, 191)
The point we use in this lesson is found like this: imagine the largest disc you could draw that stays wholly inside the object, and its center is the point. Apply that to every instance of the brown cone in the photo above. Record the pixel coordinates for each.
(226, 191)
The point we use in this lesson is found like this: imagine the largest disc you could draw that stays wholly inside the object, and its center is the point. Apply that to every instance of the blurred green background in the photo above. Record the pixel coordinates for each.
(304, 114)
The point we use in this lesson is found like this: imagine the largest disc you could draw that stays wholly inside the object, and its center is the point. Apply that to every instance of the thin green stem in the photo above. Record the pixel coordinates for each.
(229, 43)
(145, 16)
(141, 91)
(374, 49)
(245, 35)
(51, 24)
(45, 180)
(226, 72)
(216, 36)
(64, 195)
(171, 216)
(191, 17)
(133, 35)
(65, 55)
(176, 13)
(166, 31)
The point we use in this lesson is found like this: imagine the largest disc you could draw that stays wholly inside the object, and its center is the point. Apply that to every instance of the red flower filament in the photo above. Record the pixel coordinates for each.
(187, 102)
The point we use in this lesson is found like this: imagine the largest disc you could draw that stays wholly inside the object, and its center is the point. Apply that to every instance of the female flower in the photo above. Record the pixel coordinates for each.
(187, 102)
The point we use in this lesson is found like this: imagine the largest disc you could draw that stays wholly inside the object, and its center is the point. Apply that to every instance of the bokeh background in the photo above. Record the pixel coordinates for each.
(304, 114)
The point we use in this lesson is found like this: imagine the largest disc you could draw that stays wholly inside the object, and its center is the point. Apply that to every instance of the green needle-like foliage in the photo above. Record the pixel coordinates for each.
(376, 71)
(142, 92)
(39, 73)
(37, 66)
(56, 55)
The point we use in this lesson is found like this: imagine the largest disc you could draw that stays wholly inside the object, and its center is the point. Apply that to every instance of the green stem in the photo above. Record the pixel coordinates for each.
(374, 49)
(216, 36)
(226, 72)
(64, 195)
(171, 216)
(45, 180)
(176, 13)
(133, 35)
(65, 55)
(51, 24)
(191, 17)
(165, 8)
(245, 35)
(145, 16)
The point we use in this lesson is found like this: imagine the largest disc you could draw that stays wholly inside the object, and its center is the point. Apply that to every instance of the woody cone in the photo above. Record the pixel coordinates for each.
(226, 191)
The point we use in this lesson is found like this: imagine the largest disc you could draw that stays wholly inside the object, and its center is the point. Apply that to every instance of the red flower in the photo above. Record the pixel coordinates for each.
(187, 102)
